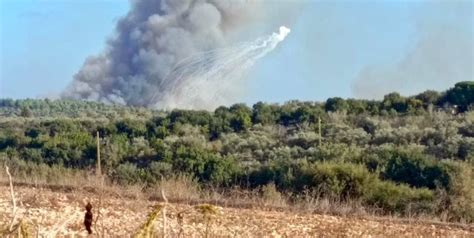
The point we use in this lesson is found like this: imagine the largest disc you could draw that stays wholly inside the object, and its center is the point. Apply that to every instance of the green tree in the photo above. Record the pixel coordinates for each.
(263, 114)
(241, 119)
(396, 102)
(26, 112)
(429, 97)
(336, 104)
(461, 95)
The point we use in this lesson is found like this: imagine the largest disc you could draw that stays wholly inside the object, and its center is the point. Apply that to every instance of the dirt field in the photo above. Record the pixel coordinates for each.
(60, 214)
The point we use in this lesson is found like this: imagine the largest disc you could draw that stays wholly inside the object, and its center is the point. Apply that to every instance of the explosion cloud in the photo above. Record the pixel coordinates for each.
(158, 38)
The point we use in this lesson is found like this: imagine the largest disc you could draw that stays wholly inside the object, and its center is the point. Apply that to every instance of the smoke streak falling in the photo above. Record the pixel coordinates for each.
(153, 37)
(210, 79)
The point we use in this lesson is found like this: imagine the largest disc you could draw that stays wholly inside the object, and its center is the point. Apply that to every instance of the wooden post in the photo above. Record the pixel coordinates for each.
(98, 169)
(319, 126)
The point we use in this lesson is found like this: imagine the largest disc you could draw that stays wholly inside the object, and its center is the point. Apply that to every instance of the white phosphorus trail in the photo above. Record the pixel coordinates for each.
(213, 78)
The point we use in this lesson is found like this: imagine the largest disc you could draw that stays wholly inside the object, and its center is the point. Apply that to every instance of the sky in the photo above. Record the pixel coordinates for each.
(358, 48)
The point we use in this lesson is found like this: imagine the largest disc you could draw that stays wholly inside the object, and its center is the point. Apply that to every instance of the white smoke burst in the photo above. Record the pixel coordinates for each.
(209, 79)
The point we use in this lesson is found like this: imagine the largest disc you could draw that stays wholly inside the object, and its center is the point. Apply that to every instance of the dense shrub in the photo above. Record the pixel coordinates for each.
(128, 173)
(399, 198)
(160, 169)
(204, 165)
(350, 181)
(418, 170)
(344, 181)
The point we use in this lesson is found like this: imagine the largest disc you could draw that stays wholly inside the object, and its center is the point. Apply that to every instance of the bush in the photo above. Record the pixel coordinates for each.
(204, 165)
(336, 152)
(271, 196)
(342, 181)
(351, 181)
(127, 174)
(398, 198)
(459, 201)
(160, 169)
(467, 130)
(418, 170)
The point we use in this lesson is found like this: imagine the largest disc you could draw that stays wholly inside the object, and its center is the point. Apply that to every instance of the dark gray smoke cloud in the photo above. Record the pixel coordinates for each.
(151, 39)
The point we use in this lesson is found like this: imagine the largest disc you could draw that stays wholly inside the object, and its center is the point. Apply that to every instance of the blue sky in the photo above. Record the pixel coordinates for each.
(45, 42)
(329, 44)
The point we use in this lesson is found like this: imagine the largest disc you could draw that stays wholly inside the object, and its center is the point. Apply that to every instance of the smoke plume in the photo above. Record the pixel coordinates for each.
(151, 40)
(442, 56)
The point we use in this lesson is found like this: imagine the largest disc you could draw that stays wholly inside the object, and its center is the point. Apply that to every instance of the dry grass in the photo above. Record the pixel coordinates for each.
(148, 229)
(185, 190)
(58, 209)
(179, 189)
(60, 213)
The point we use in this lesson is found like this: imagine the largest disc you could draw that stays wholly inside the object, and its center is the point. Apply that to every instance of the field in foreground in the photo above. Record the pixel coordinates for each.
(52, 213)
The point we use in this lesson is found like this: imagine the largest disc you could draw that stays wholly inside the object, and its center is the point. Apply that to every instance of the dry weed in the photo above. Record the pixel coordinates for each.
(147, 230)
(180, 188)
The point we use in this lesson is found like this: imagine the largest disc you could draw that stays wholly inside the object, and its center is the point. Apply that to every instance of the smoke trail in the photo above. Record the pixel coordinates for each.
(210, 79)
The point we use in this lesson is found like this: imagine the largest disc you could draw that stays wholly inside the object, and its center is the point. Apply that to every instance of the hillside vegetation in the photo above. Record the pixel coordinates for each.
(400, 155)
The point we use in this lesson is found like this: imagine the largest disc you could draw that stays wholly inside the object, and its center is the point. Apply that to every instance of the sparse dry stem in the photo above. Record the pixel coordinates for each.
(98, 226)
(146, 231)
(12, 193)
(164, 211)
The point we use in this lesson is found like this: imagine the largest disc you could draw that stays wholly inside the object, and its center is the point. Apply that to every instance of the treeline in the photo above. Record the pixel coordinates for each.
(395, 154)
(458, 99)
(66, 108)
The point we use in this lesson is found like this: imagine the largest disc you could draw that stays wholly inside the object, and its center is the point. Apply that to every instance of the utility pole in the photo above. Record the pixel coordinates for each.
(319, 127)
(98, 169)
